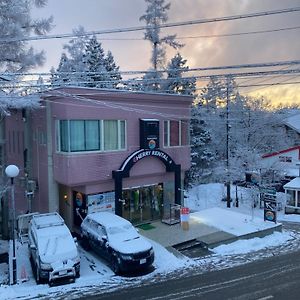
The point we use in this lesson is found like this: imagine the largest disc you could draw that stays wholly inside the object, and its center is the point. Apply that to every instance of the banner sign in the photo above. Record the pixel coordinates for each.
(101, 202)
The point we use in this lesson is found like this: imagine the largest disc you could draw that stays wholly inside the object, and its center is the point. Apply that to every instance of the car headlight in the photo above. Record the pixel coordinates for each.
(126, 256)
(76, 260)
(45, 266)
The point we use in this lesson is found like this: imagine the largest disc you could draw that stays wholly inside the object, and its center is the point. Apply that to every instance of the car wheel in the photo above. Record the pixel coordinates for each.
(115, 265)
(86, 244)
(37, 275)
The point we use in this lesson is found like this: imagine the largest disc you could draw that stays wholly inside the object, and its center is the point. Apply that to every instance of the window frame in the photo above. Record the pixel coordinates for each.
(121, 136)
(167, 133)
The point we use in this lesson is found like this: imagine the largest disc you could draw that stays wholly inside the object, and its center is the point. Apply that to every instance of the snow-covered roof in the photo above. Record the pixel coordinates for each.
(293, 184)
(293, 122)
(282, 151)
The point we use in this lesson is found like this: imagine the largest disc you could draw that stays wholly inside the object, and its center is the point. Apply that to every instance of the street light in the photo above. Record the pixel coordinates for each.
(12, 171)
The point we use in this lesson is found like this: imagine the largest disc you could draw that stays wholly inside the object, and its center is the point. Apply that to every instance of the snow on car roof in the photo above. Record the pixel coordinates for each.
(108, 219)
(48, 219)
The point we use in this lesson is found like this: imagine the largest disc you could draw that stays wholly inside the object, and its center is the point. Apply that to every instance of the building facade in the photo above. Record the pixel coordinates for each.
(88, 149)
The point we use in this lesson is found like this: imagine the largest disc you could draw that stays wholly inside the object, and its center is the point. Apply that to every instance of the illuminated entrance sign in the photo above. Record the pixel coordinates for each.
(156, 153)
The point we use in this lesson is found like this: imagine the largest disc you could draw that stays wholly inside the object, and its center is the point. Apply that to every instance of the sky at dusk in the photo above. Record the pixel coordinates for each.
(134, 54)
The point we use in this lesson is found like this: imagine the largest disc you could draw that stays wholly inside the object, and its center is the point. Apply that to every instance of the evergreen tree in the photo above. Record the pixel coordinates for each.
(202, 154)
(156, 15)
(175, 82)
(85, 64)
(94, 61)
(114, 76)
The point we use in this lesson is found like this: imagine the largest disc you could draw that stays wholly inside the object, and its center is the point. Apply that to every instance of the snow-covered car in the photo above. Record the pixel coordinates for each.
(53, 250)
(116, 240)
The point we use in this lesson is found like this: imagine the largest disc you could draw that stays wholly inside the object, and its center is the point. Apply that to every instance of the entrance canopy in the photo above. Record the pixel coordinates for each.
(134, 158)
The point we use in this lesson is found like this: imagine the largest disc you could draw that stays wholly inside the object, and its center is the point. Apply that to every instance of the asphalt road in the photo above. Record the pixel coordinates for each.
(277, 277)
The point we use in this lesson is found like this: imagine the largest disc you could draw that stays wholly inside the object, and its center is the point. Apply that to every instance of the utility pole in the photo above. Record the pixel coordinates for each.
(227, 144)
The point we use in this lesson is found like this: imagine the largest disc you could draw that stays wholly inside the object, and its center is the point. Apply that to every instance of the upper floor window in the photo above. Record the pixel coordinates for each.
(91, 135)
(176, 133)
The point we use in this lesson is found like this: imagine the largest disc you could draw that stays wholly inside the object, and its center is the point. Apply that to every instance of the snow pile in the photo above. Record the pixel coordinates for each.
(255, 244)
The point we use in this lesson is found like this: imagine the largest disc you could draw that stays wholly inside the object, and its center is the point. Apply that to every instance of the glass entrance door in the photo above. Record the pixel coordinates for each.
(143, 204)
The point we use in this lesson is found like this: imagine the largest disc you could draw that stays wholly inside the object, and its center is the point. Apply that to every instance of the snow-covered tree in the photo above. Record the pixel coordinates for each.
(202, 154)
(114, 76)
(212, 94)
(156, 15)
(94, 62)
(16, 55)
(71, 66)
(15, 24)
(85, 64)
(175, 82)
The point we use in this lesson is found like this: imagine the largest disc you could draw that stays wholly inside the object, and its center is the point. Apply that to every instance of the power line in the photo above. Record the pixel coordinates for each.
(226, 67)
(211, 35)
(140, 28)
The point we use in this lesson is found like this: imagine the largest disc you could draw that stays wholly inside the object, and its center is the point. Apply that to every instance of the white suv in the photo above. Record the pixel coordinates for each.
(53, 250)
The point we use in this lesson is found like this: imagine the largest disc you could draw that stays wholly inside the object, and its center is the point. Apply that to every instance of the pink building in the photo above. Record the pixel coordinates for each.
(88, 149)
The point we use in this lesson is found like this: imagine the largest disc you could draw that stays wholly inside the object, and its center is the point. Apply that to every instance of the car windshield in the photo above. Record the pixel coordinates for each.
(125, 233)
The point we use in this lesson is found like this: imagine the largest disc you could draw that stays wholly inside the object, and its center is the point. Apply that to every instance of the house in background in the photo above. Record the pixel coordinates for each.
(286, 162)
(292, 126)
(292, 191)
(88, 149)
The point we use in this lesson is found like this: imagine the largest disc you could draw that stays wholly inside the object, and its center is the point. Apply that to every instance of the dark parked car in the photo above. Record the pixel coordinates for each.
(117, 241)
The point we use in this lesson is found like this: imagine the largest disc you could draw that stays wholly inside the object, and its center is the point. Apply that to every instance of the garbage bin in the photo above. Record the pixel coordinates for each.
(184, 218)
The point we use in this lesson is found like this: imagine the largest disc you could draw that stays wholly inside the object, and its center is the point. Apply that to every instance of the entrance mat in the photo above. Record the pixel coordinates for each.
(146, 226)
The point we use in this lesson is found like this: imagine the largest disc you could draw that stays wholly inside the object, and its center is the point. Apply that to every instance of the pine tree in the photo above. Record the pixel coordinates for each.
(94, 61)
(85, 64)
(175, 82)
(202, 154)
(114, 75)
(156, 15)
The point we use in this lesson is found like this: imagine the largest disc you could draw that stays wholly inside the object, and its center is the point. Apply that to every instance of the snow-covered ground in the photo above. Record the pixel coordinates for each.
(205, 203)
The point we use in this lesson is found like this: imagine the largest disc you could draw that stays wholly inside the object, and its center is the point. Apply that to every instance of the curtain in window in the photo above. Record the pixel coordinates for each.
(92, 136)
(64, 136)
(185, 133)
(174, 131)
(122, 134)
(110, 134)
(77, 135)
(166, 133)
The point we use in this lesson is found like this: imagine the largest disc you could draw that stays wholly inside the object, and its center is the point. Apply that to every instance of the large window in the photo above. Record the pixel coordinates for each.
(176, 133)
(91, 135)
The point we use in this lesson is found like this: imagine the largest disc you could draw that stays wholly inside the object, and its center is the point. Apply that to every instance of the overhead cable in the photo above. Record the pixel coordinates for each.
(140, 28)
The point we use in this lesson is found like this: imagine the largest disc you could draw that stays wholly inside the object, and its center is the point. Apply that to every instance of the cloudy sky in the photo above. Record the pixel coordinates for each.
(131, 52)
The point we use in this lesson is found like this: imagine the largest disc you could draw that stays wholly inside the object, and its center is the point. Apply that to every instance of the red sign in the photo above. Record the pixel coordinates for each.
(185, 210)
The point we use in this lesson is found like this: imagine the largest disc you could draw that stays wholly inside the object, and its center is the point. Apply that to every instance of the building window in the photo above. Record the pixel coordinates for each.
(176, 133)
(285, 159)
(91, 135)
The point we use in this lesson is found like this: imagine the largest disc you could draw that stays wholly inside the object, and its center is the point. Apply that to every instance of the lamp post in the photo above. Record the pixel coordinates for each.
(12, 171)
